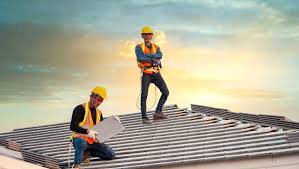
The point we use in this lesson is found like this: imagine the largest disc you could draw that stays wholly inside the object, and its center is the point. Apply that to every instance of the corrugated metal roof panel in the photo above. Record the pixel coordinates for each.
(182, 138)
(269, 120)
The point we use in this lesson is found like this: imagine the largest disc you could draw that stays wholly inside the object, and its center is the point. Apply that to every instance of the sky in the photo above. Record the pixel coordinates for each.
(239, 55)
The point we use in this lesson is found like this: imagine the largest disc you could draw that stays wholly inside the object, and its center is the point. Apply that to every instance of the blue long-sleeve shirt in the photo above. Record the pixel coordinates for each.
(141, 57)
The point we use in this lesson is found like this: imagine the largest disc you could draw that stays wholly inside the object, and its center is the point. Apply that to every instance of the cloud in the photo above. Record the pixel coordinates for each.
(160, 38)
(217, 39)
(31, 68)
(38, 61)
(207, 17)
(127, 47)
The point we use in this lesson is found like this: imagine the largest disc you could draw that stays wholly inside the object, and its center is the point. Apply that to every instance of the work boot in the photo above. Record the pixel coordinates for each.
(145, 120)
(85, 158)
(76, 166)
(159, 116)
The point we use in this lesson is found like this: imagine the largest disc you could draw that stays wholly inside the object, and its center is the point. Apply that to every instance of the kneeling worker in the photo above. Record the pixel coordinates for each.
(84, 140)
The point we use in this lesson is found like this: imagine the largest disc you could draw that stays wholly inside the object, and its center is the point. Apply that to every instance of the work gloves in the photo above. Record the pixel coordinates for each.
(92, 134)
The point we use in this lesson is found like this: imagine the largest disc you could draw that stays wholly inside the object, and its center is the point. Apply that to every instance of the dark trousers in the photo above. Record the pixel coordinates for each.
(96, 150)
(158, 80)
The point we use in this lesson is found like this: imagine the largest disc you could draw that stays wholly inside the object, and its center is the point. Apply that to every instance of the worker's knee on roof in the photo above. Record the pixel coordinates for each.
(110, 154)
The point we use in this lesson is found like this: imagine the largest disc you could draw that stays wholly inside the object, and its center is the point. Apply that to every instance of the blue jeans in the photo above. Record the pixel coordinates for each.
(96, 150)
(158, 80)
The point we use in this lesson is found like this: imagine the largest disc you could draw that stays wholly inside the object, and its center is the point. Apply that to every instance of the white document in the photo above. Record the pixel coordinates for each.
(108, 128)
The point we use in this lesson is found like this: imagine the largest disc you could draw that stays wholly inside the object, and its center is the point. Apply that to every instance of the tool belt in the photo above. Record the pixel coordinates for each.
(85, 137)
(151, 69)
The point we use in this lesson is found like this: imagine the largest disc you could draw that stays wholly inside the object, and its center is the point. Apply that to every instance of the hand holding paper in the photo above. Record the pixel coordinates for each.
(92, 134)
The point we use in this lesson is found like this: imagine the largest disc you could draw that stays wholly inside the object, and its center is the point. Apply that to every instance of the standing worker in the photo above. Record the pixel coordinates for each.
(148, 58)
(84, 140)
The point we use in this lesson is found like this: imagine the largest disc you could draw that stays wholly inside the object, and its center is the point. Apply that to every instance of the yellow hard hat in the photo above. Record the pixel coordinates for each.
(101, 91)
(147, 29)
